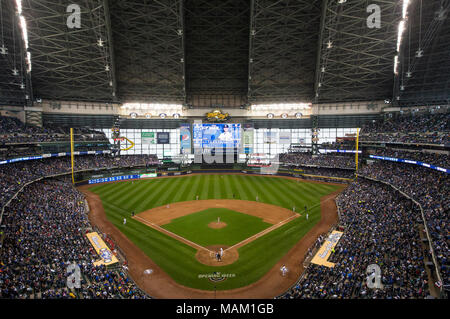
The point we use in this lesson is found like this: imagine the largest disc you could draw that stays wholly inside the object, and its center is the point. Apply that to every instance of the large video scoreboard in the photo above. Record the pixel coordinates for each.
(217, 135)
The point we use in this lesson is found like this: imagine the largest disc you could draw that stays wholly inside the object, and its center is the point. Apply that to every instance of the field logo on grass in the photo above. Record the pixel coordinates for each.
(74, 278)
(374, 276)
(216, 276)
(74, 19)
(374, 19)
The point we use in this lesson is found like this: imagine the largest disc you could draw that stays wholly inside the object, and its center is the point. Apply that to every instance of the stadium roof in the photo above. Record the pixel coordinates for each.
(225, 52)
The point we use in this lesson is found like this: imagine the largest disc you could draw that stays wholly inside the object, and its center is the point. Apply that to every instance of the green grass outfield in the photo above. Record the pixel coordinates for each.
(194, 227)
(177, 259)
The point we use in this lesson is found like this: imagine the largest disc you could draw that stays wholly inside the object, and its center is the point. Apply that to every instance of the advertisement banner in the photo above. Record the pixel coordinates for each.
(407, 161)
(248, 139)
(112, 179)
(163, 137)
(148, 138)
(185, 139)
(148, 175)
(107, 257)
(270, 137)
(285, 137)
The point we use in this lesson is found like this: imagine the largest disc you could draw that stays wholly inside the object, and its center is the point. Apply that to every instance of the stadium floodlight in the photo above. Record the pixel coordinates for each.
(396, 64)
(405, 8)
(23, 27)
(280, 107)
(341, 1)
(401, 30)
(19, 6)
(3, 50)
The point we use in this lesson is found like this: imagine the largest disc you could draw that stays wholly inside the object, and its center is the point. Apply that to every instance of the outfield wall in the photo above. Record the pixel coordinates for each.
(330, 179)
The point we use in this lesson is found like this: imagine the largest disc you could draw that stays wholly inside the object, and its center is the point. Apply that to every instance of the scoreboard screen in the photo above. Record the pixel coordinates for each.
(217, 135)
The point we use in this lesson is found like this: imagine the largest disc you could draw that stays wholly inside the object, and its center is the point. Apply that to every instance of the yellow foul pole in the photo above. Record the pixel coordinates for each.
(356, 154)
(71, 152)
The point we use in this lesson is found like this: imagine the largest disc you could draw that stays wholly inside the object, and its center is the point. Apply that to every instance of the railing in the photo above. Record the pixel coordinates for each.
(438, 274)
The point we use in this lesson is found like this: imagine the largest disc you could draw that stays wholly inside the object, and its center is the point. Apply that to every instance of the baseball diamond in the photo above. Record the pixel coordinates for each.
(174, 236)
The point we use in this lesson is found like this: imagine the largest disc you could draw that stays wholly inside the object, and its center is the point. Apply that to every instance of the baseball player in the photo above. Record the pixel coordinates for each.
(307, 216)
(124, 221)
(221, 252)
(283, 270)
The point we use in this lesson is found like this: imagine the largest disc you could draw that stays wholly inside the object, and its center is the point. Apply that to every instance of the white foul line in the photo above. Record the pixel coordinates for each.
(169, 232)
(267, 230)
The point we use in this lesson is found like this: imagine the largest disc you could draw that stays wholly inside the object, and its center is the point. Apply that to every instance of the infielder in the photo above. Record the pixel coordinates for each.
(124, 221)
(221, 252)
(284, 270)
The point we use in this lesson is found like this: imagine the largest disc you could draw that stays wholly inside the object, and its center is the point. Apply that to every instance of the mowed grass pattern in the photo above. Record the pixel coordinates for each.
(194, 227)
(178, 259)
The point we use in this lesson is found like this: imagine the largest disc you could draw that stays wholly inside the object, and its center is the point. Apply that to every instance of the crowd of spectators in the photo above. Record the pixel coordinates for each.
(43, 231)
(14, 176)
(437, 159)
(333, 160)
(380, 227)
(432, 190)
(12, 130)
(420, 128)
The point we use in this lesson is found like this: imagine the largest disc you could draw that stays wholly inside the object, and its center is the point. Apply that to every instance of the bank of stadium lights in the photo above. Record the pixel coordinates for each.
(401, 30)
(153, 106)
(23, 27)
(281, 107)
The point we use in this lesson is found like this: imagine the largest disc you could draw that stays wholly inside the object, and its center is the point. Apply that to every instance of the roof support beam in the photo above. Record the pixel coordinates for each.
(110, 48)
(319, 49)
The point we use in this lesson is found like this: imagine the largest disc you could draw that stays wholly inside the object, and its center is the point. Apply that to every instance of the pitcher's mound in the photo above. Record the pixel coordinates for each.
(217, 225)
